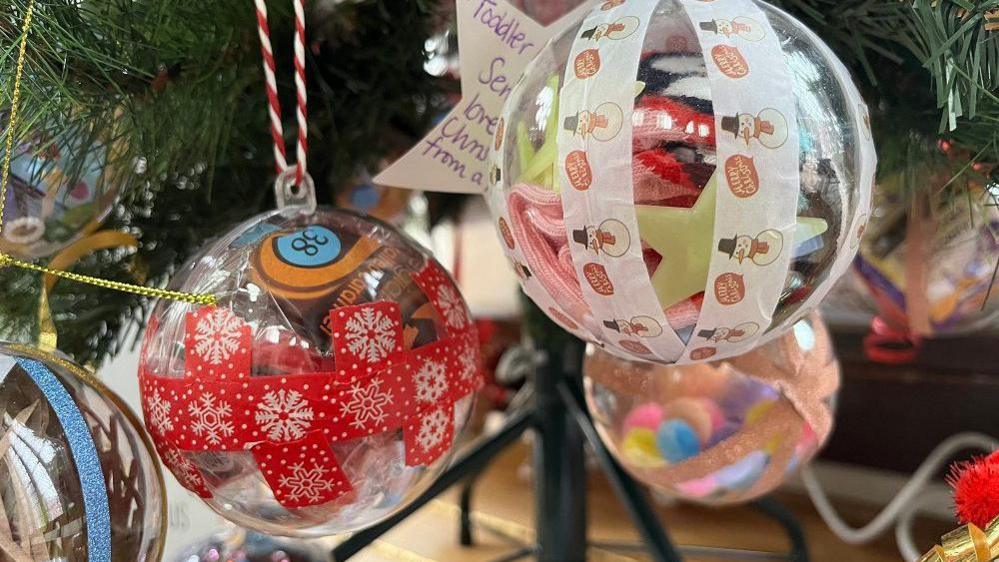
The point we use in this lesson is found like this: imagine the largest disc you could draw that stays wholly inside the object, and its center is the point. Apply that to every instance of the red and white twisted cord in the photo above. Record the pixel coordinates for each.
(274, 105)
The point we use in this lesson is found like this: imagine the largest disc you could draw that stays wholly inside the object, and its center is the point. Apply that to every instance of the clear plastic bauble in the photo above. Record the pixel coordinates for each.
(381, 202)
(592, 246)
(933, 278)
(59, 190)
(546, 12)
(328, 385)
(240, 545)
(723, 432)
(78, 476)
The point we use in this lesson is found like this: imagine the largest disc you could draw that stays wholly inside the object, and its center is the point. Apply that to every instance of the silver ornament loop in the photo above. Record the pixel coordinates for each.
(288, 193)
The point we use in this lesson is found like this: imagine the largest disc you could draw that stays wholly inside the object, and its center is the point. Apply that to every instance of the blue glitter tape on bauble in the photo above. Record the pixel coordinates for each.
(84, 452)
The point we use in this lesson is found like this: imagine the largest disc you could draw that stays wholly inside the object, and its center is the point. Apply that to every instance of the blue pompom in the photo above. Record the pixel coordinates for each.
(677, 441)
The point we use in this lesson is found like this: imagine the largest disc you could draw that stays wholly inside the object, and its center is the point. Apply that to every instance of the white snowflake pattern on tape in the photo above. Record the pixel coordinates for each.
(183, 469)
(368, 404)
(284, 415)
(433, 427)
(210, 418)
(370, 334)
(217, 336)
(159, 413)
(452, 306)
(430, 381)
(467, 361)
(305, 483)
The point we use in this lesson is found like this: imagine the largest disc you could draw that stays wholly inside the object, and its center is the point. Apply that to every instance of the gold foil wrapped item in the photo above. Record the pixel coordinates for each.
(967, 544)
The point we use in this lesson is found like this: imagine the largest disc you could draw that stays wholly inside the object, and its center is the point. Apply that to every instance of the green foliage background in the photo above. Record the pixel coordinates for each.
(177, 86)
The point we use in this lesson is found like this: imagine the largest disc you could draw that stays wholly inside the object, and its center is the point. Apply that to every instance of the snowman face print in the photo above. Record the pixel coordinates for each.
(737, 334)
(720, 334)
(743, 247)
(768, 127)
(639, 326)
(619, 29)
(603, 123)
(596, 238)
(611, 237)
(586, 122)
(763, 249)
(741, 27)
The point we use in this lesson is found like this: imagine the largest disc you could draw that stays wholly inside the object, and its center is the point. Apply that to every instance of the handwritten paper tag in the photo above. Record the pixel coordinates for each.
(495, 43)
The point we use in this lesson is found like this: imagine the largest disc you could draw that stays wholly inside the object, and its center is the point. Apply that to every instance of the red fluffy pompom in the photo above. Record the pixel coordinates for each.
(976, 490)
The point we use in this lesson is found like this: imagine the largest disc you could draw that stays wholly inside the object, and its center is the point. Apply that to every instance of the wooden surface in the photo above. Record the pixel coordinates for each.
(505, 500)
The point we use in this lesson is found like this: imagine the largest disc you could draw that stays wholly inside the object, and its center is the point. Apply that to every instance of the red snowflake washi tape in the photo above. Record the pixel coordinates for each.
(288, 422)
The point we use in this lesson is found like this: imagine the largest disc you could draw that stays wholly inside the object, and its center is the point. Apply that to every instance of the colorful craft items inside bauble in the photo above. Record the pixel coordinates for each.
(721, 432)
(78, 476)
(676, 179)
(240, 545)
(60, 189)
(929, 271)
(378, 201)
(328, 385)
(546, 12)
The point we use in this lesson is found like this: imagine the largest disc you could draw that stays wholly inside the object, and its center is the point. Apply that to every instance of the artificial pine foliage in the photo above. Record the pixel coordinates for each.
(178, 88)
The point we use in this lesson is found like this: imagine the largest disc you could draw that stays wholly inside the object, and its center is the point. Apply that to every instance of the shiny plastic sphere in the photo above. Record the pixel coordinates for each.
(240, 545)
(722, 432)
(937, 281)
(550, 204)
(326, 388)
(78, 476)
(52, 200)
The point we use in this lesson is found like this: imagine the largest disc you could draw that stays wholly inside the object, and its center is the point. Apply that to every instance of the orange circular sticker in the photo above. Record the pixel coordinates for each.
(561, 318)
(498, 139)
(577, 168)
(587, 63)
(741, 175)
(504, 229)
(596, 276)
(730, 288)
(702, 353)
(635, 347)
(730, 61)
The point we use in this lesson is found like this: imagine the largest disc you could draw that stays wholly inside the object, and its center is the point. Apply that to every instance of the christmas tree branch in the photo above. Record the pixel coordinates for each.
(174, 92)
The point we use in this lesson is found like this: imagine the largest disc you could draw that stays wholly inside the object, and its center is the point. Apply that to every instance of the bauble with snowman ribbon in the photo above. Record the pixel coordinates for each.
(667, 171)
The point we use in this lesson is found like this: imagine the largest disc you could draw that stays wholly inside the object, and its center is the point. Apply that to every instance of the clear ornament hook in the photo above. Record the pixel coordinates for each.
(288, 193)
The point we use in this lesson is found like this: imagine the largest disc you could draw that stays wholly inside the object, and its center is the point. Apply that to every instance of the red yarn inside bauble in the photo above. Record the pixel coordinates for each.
(976, 490)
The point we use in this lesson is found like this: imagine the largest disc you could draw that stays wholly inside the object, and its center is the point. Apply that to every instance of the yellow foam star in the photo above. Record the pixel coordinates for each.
(683, 238)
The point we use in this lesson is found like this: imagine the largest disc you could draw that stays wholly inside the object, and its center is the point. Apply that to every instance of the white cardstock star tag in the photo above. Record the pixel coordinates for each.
(495, 43)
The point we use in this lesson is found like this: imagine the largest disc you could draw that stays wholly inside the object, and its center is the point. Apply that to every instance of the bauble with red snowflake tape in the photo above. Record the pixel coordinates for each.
(328, 385)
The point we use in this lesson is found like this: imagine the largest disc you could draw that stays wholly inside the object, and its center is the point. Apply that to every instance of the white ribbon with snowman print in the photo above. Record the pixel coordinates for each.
(755, 187)
(751, 200)
(595, 105)
(756, 137)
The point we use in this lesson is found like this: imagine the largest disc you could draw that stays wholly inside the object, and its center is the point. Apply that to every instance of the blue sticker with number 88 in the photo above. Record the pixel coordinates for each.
(314, 246)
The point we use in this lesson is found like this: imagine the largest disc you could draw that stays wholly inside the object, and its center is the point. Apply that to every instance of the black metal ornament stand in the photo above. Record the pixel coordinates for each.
(562, 425)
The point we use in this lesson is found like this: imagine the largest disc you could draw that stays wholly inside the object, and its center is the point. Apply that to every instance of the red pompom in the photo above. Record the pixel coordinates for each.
(976, 490)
